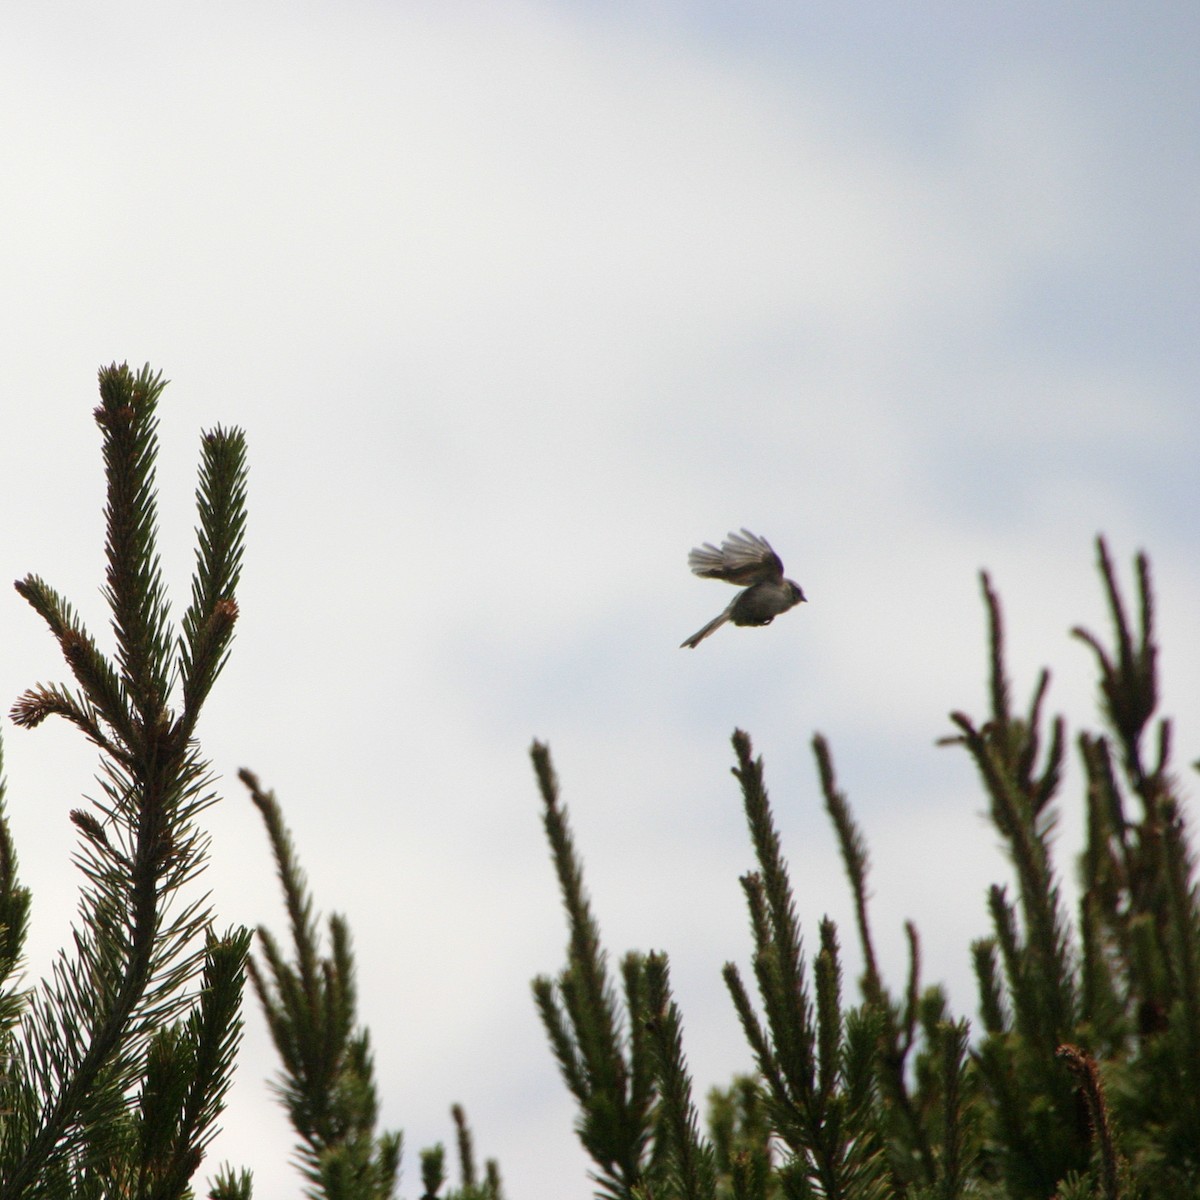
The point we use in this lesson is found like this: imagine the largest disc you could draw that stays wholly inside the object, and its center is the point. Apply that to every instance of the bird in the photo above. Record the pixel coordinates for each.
(746, 560)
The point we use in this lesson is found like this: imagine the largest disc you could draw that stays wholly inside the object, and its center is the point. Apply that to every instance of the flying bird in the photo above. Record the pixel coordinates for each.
(746, 560)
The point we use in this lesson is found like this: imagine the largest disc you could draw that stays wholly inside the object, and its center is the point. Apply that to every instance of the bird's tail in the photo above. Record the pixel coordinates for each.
(711, 627)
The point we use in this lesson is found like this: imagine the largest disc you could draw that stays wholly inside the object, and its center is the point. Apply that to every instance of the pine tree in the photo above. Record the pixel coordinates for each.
(1083, 1079)
(117, 1064)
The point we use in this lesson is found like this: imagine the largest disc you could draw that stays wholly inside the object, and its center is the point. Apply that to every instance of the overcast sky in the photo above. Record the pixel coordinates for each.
(517, 303)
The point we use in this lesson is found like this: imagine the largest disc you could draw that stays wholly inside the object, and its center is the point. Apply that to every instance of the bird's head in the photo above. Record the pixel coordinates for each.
(798, 596)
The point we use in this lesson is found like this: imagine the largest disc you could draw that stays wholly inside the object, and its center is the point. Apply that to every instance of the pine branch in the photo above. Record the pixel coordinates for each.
(95, 1029)
(466, 1146)
(189, 1070)
(898, 1030)
(1083, 1067)
(856, 860)
(127, 416)
(957, 1155)
(690, 1163)
(472, 1188)
(1183, 907)
(818, 1064)
(1128, 676)
(1005, 752)
(779, 959)
(103, 695)
(327, 1082)
(608, 1072)
(14, 923)
(228, 1186)
(208, 623)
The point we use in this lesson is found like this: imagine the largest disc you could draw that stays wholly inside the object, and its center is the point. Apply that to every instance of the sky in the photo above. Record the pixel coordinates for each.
(516, 304)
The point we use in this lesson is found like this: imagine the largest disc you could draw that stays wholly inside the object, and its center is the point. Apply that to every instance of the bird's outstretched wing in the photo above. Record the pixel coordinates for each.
(743, 559)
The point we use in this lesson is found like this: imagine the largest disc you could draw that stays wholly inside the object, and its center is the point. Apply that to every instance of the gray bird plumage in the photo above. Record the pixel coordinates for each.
(746, 560)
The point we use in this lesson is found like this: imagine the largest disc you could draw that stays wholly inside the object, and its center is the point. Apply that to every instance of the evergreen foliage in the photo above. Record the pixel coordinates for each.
(1081, 1078)
(690, 1168)
(117, 1064)
(114, 1070)
(327, 1081)
(1084, 1076)
(327, 1078)
(603, 1053)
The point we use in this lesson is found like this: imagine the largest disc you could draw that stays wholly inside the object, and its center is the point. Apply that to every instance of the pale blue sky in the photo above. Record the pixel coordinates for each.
(519, 302)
